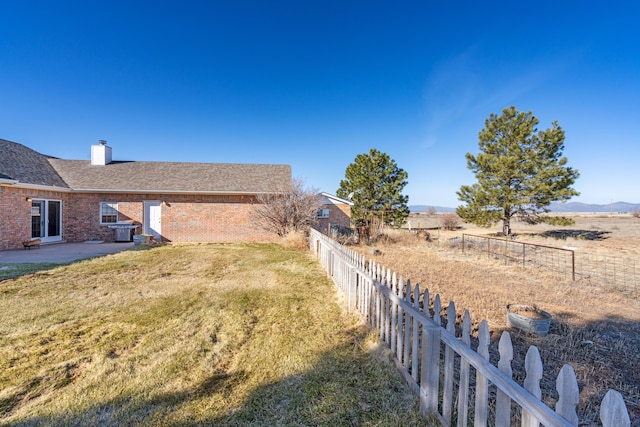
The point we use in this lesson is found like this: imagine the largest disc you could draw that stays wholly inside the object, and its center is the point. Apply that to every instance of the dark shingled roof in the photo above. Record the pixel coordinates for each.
(20, 163)
(174, 177)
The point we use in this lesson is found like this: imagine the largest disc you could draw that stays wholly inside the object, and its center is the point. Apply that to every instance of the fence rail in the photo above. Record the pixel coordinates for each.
(623, 273)
(442, 368)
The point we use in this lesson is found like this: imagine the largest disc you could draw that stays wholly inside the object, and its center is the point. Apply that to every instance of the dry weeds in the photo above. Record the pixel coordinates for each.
(595, 329)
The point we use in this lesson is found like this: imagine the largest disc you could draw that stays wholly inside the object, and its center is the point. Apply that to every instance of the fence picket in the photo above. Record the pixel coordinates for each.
(463, 391)
(426, 301)
(533, 368)
(568, 394)
(482, 385)
(387, 309)
(503, 401)
(407, 327)
(379, 322)
(415, 335)
(436, 310)
(447, 391)
(400, 323)
(613, 412)
(394, 316)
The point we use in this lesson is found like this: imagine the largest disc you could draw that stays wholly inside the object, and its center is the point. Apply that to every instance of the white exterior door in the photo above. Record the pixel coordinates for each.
(153, 218)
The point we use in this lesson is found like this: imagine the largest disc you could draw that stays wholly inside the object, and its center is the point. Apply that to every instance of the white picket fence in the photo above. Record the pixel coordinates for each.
(438, 365)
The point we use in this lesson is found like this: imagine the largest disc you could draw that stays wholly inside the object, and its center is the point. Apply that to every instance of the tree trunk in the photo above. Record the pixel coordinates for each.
(506, 225)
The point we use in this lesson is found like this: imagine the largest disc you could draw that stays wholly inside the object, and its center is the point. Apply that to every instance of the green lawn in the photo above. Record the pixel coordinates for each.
(220, 334)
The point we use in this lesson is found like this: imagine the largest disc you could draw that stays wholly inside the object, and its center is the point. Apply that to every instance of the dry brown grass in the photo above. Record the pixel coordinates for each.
(221, 334)
(595, 329)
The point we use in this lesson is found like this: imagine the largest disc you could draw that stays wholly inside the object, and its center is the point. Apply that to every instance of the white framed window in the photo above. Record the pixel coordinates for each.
(322, 213)
(108, 212)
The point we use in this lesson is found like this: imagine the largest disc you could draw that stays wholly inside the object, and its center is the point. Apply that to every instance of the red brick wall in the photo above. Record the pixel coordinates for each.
(211, 219)
(185, 218)
(15, 213)
(338, 215)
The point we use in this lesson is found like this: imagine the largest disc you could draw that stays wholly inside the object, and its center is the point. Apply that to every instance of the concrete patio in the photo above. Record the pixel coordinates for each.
(61, 252)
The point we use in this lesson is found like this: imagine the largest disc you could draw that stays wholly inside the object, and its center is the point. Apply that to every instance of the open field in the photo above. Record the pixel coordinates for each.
(613, 235)
(190, 334)
(595, 329)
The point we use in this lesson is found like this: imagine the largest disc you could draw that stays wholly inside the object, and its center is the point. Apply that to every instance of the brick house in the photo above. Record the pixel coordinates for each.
(335, 212)
(79, 200)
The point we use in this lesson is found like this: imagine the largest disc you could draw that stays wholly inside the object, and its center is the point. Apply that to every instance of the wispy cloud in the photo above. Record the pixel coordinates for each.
(468, 84)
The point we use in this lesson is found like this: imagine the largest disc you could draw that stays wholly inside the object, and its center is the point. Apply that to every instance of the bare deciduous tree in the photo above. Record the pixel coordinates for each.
(450, 221)
(286, 210)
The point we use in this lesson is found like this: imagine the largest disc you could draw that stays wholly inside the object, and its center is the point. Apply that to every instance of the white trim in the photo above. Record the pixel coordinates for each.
(100, 212)
(333, 199)
(146, 226)
(19, 184)
(45, 214)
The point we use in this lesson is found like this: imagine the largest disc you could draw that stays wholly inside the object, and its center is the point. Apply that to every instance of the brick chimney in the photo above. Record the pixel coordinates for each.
(101, 153)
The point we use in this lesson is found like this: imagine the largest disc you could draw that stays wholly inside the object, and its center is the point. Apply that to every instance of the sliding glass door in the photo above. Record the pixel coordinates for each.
(46, 220)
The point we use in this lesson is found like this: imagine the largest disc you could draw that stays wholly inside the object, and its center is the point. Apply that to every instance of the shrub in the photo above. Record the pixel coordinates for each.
(636, 213)
(450, 221)
(559, 220)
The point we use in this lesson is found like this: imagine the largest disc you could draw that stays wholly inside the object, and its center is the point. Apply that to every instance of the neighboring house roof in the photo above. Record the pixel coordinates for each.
(19, 163)
(22, 164)
(331, 199)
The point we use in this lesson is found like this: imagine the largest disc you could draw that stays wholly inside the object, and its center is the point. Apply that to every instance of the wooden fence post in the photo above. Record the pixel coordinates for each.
(430, 376)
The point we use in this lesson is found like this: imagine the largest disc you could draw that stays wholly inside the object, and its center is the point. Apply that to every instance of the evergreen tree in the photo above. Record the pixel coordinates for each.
(374, 183)
(519, 169)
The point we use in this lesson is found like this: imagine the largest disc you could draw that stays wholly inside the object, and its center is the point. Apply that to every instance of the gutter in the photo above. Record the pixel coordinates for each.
(18, 184)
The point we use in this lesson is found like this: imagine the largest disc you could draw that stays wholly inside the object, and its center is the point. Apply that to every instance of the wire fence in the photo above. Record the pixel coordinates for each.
(622, 273)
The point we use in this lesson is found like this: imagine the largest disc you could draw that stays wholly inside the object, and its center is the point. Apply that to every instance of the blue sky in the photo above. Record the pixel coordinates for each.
(313, 84)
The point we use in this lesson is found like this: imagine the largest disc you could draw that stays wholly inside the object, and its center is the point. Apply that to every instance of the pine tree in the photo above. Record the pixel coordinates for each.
(374, 183)
(519, 170)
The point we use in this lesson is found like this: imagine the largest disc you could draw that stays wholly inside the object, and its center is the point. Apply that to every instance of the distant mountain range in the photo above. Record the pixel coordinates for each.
(618, 207)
